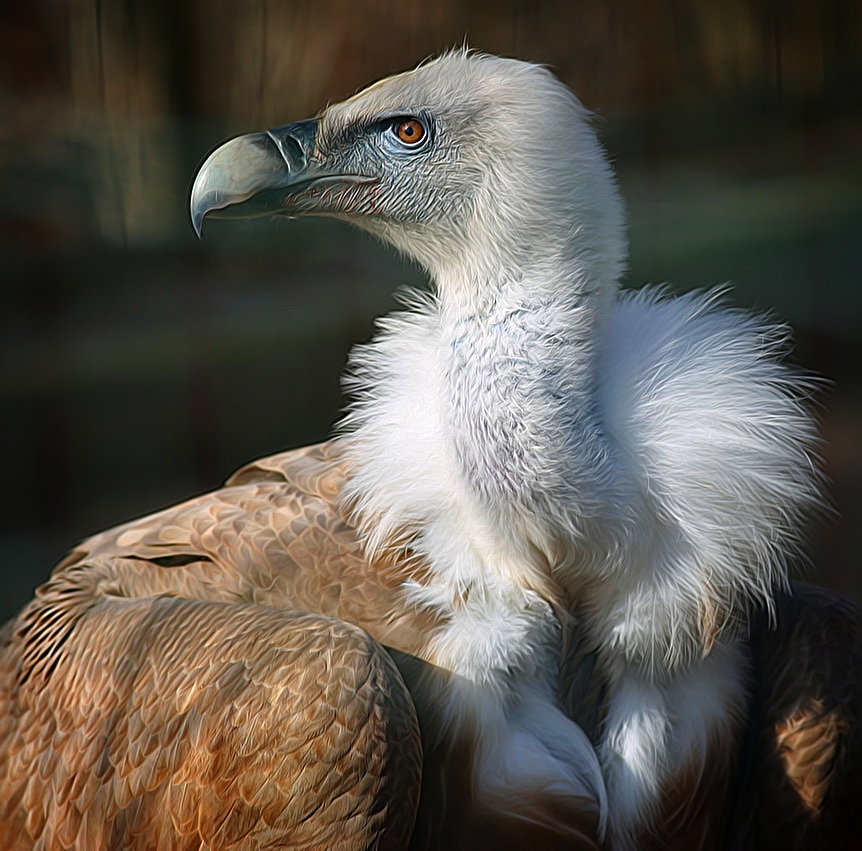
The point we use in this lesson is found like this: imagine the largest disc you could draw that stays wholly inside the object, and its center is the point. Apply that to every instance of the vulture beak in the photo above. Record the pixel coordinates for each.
(264, 174)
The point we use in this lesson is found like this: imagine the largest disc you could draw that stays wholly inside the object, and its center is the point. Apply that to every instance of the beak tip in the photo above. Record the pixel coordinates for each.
(198, 223)
(197, 210)
(202, 201)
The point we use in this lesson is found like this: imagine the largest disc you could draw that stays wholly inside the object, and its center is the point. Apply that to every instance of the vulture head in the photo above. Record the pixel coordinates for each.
(468, 164)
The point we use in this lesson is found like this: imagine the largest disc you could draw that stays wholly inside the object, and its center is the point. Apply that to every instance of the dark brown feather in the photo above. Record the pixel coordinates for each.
(805, 783)
(795, 781)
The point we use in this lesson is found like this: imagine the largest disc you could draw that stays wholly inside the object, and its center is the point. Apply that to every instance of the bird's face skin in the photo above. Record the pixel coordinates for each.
(457, 163)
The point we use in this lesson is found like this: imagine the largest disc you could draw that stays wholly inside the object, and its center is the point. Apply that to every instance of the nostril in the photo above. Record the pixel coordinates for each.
(295, 142)
(295, 147)
(290, 149)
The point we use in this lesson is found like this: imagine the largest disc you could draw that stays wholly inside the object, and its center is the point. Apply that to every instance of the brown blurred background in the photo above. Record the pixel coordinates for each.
(140, 366)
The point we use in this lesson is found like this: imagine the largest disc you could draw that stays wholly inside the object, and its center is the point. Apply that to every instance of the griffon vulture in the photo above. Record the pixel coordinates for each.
(543, 567)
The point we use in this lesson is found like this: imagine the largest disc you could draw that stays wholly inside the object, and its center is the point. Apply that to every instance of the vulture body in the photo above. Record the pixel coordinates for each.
(167, 688)
(544, 567)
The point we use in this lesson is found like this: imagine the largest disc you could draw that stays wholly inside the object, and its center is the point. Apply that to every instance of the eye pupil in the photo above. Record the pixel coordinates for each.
(410, 132)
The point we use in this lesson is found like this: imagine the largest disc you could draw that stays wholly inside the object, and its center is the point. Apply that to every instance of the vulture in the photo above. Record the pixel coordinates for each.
(534, 594)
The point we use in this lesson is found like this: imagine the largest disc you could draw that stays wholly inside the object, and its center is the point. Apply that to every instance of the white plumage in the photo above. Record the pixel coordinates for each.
(527, 422)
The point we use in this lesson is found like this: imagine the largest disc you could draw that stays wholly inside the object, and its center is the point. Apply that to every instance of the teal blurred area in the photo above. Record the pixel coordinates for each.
(140, 366)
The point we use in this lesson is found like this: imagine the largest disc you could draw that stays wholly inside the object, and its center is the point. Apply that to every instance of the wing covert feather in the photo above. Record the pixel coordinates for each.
(804, 788)
(275, 535)
(208, 676)
(278, 728)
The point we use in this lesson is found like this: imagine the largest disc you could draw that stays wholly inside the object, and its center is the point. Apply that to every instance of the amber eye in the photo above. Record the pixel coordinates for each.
(410, 132)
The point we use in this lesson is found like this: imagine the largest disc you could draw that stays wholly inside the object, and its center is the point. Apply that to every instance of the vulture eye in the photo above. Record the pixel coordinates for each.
(410, 132)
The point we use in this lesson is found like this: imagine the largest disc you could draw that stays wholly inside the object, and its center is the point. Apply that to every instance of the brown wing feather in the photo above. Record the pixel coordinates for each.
(796, 781)
(178, 724)
(805, 785)
(695, 805)
(275, 535)
(162, 684)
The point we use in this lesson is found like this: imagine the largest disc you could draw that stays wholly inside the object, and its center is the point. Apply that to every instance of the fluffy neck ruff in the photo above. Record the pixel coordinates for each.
(449, 406)
(649, 463)
(541, 442)
(650, 455)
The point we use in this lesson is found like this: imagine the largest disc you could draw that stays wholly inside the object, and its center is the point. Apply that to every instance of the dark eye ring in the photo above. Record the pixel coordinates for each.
(410, 132)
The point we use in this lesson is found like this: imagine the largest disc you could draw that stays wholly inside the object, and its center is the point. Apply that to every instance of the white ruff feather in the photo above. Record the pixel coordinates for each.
(524, 427)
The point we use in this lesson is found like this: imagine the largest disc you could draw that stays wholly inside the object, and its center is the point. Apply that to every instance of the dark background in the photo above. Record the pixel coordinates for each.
(140, 366)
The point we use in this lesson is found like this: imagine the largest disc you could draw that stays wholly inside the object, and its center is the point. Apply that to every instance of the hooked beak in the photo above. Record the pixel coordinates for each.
(264, 174)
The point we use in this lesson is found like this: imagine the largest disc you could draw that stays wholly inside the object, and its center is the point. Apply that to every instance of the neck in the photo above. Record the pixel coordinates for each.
(511, 455)
(475, 409)
(518, 386)
(458, 408)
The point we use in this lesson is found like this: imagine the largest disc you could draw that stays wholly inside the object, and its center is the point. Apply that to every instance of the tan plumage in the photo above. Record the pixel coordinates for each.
(802, 784)
(162, 685)
(321, 700)
(162, 690)
(275, 535)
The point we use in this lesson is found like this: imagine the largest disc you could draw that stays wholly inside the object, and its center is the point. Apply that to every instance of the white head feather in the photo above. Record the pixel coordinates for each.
(518, 177)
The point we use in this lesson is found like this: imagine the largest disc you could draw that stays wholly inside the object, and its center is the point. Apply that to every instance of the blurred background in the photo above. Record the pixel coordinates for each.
(140, 366)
